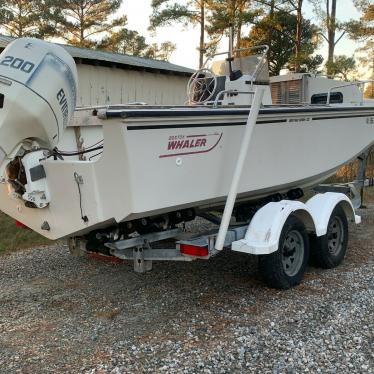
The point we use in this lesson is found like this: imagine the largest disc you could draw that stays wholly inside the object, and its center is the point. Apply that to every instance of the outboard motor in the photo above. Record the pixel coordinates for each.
(38, 90)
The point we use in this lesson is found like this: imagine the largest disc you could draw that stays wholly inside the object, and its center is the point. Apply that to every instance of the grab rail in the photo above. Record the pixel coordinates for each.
(243, 152)
(358, 83)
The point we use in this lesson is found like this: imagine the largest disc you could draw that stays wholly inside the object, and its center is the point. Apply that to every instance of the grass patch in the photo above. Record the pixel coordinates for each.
(13, 237)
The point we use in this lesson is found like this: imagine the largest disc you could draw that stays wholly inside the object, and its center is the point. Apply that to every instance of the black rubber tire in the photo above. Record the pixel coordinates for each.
(271, 266)
(320, 253)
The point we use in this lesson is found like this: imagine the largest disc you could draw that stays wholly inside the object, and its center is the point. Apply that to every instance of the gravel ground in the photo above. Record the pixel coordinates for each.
(64, 314)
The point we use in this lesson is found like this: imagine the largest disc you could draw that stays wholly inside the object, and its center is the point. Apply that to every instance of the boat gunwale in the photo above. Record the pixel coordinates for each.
(202, 112)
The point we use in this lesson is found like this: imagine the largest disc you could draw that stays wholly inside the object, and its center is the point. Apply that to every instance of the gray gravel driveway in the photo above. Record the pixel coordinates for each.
(62, 314)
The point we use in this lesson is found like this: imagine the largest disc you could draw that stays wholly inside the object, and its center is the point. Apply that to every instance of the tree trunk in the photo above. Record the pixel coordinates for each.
(239, 35)
(81, 25)
(372, 77)
(202, 34)
(299, 20)
(238, 10)
(331, 28)
(19, 22)
(271, 29)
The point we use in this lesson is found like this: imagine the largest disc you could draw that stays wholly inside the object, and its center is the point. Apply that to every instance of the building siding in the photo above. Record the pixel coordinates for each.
(100, 85)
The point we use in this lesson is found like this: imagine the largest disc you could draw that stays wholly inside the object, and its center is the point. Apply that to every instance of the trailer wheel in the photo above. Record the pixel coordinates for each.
(329, 250)
(285, 268)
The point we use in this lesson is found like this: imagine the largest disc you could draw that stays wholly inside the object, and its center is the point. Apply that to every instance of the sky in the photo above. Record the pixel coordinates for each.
(186, 40)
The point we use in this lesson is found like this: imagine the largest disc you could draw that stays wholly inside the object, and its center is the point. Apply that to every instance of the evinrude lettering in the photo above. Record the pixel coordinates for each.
(61, 97)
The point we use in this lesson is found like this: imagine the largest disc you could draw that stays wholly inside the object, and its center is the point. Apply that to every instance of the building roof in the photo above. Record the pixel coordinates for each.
(97, 57)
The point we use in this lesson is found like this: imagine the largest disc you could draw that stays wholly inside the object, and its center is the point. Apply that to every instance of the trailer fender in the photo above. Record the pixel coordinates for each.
(264, 231)
(321, 207)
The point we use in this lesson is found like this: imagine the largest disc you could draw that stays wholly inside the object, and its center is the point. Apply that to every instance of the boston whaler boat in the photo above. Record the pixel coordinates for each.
(241, 153)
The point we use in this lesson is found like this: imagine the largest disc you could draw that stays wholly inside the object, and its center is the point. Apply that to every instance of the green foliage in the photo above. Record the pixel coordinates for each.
(76, 21)
(363, 30)
(283, 42)
(80, 20)
(306, 62)
(364, 5)
(341, 67)
(323, 11)
(230, 13)
(160, 52)
(124, 41)
(366, 57)
(131, 42)
(166, 12)
(329, 27)
(24, 18)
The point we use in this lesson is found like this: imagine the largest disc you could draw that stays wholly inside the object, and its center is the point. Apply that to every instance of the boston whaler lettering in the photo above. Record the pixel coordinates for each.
(241, 153)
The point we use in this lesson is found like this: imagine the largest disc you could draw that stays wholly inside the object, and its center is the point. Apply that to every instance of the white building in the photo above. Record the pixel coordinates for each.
(113, 78)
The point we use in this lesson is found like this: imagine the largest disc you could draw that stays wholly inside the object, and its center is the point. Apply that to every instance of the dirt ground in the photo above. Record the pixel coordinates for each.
(64, 314)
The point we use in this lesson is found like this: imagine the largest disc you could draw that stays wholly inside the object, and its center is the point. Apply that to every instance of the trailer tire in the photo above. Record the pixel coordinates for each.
(285, 268)
(328, 251)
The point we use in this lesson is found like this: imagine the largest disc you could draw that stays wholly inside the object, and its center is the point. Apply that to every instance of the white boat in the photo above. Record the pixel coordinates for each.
(71, 172)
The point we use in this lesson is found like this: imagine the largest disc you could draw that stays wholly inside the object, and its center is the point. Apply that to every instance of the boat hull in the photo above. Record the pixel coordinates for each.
(154, 163)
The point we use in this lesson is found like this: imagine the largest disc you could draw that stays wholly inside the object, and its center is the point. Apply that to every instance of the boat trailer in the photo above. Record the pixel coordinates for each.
(280, 232)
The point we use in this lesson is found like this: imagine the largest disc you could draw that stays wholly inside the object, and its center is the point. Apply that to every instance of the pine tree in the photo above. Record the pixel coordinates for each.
(363, 31)
(132, 43)
(80, 21)
(124, 41)
(326, 11)
(297, 5)
(23, 18)
(160, 52)
(283, 26)
(342, 67)
(226, 14)
(167, 12)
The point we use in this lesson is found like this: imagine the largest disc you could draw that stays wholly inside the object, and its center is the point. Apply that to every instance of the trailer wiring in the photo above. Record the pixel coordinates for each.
(62, 153)
(56, 153)
(96, 154)
(86, 148)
